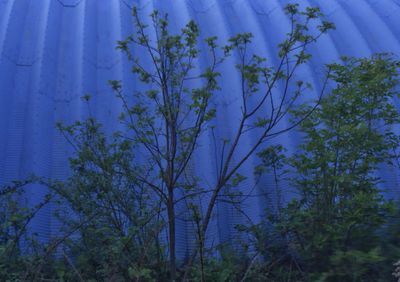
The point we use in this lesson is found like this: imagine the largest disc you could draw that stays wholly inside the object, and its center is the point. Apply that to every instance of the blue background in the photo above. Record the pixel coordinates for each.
(55, 51)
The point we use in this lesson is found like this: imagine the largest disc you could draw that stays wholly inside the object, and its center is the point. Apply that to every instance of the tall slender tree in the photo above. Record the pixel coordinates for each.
(167, 119)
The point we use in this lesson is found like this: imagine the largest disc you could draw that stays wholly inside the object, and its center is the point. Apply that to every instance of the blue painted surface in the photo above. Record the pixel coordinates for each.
(55, 51)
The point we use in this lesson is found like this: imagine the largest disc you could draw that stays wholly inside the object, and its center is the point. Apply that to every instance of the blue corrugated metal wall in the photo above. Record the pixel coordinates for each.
(55, 51)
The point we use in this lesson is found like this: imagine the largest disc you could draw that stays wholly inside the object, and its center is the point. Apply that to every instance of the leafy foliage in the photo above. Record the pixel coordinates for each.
(118, 208)
(115, 222)
(166, 120)
(332, 229)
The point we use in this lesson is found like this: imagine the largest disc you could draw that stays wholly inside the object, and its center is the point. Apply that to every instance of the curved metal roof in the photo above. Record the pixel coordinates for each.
(55, 51)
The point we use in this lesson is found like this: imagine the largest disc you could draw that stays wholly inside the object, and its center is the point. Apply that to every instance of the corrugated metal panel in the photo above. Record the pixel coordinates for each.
(55, 51)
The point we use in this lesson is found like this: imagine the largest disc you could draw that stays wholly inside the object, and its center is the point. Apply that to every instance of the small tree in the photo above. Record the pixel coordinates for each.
(167, 119)
(333, 226)
(110, 227)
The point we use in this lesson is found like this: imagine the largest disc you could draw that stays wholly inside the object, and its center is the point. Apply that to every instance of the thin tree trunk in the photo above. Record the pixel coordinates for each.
(171, 225)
